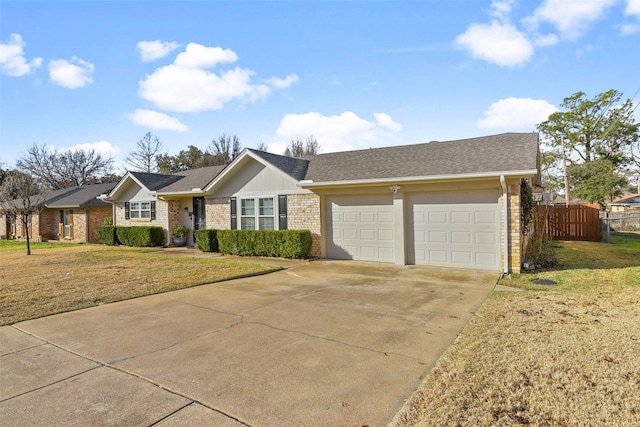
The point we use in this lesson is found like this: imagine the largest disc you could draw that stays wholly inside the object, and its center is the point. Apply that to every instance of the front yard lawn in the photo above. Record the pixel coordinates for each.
(58, 278)
(559, 355)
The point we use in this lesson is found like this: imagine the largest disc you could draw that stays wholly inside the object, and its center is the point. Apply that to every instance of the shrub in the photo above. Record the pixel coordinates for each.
(107, 235)
(271, 243)
(207, 240)
(140, 236)
(181, 231)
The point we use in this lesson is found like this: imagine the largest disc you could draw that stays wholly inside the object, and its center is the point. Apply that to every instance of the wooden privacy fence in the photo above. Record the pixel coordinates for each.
(569, 223)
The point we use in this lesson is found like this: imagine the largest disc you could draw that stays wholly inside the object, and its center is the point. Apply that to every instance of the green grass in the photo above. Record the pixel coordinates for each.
(22, 245)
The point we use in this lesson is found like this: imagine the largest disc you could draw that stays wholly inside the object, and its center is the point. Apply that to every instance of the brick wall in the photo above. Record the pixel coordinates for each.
(516, 239)
(218, 213)
(49, 224)
(303, 213)
(4, 232)
(97, 216)
(162, 216)
(175, 214)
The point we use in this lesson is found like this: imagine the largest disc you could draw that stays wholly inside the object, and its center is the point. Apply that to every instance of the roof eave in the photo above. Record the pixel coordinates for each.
(416, 179)
(188, 193)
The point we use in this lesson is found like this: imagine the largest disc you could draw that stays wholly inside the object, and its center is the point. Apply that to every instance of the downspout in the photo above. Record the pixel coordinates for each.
(505, 221)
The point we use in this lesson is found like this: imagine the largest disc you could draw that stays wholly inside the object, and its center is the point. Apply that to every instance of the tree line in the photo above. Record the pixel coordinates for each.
(595, 145)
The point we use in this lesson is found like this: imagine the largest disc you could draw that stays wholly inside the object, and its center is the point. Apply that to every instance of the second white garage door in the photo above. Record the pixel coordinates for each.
(360, 228)
(459, 229)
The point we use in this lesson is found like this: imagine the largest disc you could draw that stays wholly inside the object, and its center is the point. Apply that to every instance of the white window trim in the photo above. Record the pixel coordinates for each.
(139, 211)
(256, 212)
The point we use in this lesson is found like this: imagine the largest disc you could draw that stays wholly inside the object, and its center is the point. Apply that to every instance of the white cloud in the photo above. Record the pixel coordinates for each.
(633, 7)
(189, 90)
(156, 120)
(516, 114)
(571, 18)
(543, 40)
(12, 57)
(71, 74)
(187, 86)
(384, 120)
(104, 148)
(279, 83)
(152, 50)
(500, 9)
(199, 56)
(500, 44)
(341, 132)
(629, 29)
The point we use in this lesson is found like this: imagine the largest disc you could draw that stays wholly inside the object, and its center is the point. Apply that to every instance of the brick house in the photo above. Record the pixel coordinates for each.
(452, 204)
(70, 214)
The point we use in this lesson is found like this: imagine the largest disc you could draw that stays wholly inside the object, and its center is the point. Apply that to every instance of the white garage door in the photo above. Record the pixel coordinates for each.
(460, 229)
(360, 227)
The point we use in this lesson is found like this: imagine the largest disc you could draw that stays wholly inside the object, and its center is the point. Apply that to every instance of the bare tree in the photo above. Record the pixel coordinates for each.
(262, 146)
(144, 158)
(21, 198)
(300, 148)
(224, 149)
(56, 170)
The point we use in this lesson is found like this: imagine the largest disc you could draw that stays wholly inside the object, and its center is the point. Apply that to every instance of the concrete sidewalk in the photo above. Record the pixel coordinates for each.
(329, 343)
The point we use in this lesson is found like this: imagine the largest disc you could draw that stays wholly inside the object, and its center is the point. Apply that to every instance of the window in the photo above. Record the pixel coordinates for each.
(248, 214)
(140, 210)
(262, 218)
(265, 217)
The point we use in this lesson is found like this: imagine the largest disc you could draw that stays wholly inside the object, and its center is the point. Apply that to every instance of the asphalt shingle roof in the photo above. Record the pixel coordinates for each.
(194, 178)
(155, 181)
(84, 195)
(504, 152)
(634, 200)
(296, 168)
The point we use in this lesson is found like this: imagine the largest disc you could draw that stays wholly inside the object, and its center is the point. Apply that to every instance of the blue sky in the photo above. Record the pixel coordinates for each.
(354, 74)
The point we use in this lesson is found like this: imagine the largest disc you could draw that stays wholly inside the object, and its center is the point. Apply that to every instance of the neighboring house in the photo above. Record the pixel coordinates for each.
(452, 204)
(72, 214)
(626, 204)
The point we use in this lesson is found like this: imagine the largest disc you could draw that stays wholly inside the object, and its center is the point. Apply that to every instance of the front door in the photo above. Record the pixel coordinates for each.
(199, 213)
(66, 224)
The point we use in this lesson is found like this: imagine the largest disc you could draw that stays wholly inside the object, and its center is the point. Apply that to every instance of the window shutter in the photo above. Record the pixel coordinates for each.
(126, 210)
(282, 212)
(234, 214)
(71, 224)
(153, 211)
(61, 225)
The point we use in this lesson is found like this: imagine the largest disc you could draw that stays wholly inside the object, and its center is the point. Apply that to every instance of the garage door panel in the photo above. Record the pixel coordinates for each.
(461, 217)
(438, 257)
(364, 230)
(461, 258)
(485, 217)
(486, 238)
(459, 229)
(385, 235)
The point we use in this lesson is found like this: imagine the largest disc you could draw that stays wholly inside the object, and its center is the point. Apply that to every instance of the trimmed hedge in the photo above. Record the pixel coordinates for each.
(207, 240)
(270, 243)
(142, 236)
(107, 234)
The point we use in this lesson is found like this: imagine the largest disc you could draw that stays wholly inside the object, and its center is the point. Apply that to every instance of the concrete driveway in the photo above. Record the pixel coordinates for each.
(331, 343)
